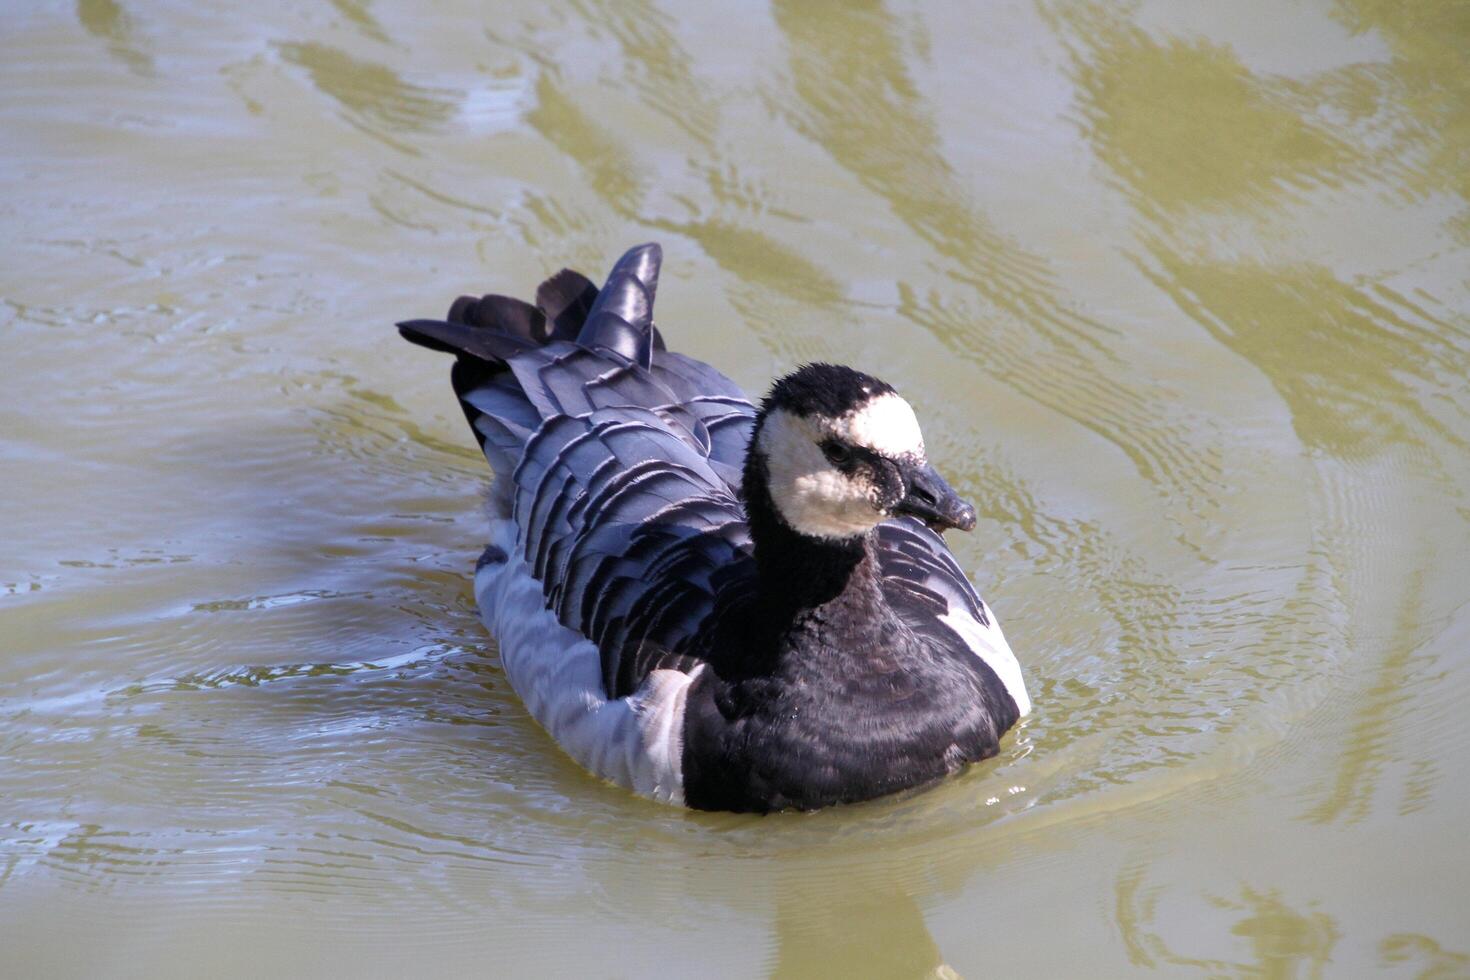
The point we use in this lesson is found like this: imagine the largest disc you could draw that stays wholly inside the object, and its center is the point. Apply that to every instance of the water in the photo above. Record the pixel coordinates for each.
(1180, 294)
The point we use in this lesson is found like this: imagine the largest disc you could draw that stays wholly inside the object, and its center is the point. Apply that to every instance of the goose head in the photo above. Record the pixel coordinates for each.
(837, 452)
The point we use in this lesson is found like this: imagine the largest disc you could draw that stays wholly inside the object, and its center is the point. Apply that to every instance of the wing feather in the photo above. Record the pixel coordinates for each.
(923, 582)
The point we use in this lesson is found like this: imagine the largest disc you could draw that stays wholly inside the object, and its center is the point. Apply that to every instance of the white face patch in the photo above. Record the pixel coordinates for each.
(813, 496)
(885, 424)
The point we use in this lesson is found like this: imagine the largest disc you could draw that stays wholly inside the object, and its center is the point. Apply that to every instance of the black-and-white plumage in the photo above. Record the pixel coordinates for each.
(713, 605)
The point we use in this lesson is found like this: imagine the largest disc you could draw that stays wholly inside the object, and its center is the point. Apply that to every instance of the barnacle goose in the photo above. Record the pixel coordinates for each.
(716, 605)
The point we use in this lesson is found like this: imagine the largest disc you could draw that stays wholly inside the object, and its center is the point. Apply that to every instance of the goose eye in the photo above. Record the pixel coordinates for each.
(836, 452)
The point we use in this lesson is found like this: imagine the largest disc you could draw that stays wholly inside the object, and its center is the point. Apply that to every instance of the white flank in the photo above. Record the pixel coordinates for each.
(989, 644)
(635, 741)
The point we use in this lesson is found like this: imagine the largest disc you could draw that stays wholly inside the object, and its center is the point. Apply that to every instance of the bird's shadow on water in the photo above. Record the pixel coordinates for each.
(824, 928)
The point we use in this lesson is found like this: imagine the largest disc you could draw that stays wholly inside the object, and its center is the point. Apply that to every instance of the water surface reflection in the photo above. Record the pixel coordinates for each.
(1178, 289)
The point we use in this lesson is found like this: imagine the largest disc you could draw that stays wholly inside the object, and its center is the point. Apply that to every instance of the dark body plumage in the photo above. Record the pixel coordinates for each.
(823, 672)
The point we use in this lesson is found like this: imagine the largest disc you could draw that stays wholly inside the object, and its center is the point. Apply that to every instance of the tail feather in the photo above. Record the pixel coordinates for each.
(487, 333)
(565, 300)
(617, 318)
(503, 313)
(458, 338)
(621, 319)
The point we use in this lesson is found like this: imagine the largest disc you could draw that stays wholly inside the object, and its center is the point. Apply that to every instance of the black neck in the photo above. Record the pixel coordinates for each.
(798, 572)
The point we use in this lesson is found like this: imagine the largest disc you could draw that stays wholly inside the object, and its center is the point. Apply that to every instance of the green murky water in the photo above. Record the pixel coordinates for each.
(1181, 291)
